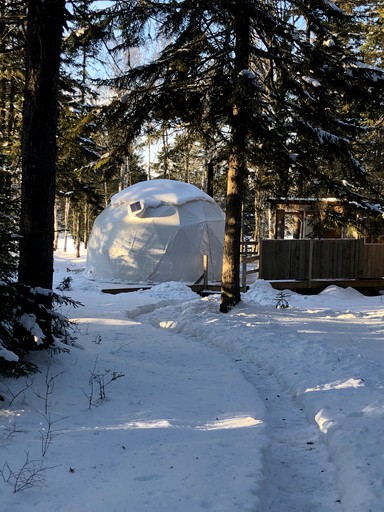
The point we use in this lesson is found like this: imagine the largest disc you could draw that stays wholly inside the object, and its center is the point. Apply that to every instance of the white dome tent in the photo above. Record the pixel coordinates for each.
(157, 231)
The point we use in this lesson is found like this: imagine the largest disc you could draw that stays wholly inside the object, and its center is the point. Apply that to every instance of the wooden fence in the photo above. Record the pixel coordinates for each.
(320, 259)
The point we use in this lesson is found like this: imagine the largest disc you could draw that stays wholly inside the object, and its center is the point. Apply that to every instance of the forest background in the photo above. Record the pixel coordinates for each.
(271, 99)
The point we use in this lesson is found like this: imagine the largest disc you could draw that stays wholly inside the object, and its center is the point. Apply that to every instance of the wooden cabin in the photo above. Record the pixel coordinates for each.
(300, 218)
(303, 251)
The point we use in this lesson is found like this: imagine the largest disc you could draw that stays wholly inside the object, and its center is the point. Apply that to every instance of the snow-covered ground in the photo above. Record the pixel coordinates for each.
(262, 409)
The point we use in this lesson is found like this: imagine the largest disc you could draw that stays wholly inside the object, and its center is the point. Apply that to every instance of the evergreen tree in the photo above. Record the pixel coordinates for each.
(370, 147)
(9, 360)
(36, 325)
(12, 24)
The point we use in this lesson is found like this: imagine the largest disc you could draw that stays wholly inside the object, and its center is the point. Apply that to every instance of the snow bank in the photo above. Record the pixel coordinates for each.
(260, 292)
(334, 297)
(170, 290)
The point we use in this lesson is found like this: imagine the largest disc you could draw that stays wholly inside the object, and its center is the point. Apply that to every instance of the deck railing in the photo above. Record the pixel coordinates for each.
(320, 259)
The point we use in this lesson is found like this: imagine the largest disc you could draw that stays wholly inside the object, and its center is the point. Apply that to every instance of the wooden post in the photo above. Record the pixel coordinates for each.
(244, 267)
(205, 263)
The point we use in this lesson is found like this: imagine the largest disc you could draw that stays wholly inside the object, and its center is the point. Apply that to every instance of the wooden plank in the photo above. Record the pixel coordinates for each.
(115, 291)
(334, 259)
(284, 259)
(371, 260)
(310, 262)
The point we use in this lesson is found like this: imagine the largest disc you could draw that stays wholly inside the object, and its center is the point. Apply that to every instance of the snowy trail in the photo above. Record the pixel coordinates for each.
(300, 476)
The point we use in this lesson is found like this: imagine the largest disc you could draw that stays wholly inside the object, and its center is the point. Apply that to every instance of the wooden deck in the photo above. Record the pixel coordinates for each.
(198, 288)
(304, 266)
(365, 286)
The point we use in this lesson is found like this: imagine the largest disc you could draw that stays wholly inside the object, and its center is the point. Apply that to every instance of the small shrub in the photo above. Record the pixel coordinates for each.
(65, 284)
(30, 474)
(281, 300)
(98, 381)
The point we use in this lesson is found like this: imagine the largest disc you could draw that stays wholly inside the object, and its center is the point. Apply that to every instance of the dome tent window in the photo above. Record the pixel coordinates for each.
(163, 238)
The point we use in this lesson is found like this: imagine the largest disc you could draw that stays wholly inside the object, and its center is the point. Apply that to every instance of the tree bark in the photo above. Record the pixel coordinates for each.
(44, 34)
(230, 288)
(210, 173)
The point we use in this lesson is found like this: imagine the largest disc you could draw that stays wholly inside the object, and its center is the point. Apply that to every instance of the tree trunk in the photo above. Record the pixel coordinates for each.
(86, 225)
(56, 227)
(66, 222)
(230, 288)
(210, 172)
(78, 232)
(44, 33)
(166, 170)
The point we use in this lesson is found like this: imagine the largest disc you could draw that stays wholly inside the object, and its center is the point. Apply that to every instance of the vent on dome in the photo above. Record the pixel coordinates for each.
(137, 208)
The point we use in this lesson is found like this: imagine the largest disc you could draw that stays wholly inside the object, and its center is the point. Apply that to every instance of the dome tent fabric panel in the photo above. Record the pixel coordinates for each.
(127, 250)
(157, 231)
(139, 258)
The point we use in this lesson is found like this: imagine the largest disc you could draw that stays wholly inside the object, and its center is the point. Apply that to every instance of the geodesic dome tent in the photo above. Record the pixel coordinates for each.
(157, 231)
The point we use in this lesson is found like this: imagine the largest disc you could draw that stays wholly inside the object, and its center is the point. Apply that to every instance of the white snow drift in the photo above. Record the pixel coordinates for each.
(157, 231)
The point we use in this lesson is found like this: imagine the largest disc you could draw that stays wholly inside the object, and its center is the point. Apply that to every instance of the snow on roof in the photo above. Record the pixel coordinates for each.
(299, 200)
(155, 192)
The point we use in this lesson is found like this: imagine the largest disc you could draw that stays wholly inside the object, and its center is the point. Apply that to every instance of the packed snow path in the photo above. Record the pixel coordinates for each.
(299, 474)
(300, 477)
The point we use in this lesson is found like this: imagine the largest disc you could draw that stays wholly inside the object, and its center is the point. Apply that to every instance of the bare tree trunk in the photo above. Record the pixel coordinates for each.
(11, 110)
(44, 33)
(149, 159)
(210, 171)
(66, 219)
(77, 219)
(164, 134)
(56, 224)
(230, 288)
(86, 225)
(187, 163)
